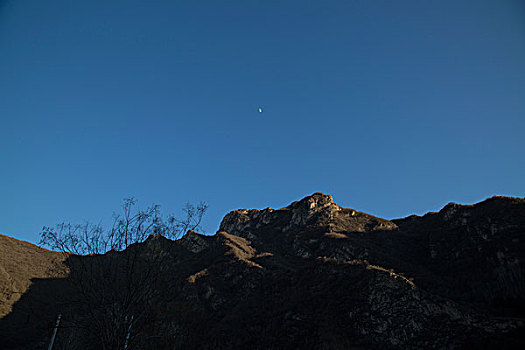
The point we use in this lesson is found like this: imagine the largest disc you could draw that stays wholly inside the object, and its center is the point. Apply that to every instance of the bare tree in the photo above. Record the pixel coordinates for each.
(113, 276)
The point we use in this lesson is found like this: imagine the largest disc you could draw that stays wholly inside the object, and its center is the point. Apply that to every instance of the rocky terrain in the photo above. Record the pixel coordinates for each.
(312, 275)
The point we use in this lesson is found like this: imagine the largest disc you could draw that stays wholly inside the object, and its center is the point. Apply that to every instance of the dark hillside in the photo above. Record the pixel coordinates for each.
(314, 275)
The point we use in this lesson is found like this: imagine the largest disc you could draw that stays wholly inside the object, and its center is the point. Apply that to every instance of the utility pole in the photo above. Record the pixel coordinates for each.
(54, 333)
(129, 330)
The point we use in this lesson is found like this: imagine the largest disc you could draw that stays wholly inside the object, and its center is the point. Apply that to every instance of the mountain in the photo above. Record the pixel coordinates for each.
(312, 275)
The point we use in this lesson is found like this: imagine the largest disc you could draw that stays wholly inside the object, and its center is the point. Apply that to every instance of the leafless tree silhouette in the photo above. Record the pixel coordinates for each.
(113, 280)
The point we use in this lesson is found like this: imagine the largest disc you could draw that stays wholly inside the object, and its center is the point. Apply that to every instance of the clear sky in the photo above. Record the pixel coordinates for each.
(392, 107)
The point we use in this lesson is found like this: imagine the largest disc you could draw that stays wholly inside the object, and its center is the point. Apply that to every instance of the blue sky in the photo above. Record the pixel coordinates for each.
(392, 107)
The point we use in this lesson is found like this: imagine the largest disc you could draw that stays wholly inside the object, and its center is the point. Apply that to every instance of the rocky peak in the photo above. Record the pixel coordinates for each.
(315, 212)
(314, 203)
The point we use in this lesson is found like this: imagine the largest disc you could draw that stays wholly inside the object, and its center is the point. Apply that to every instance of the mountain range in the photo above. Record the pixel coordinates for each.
(312, 275)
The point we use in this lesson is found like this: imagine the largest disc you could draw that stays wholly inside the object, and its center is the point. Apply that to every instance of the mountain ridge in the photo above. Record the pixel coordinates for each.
(316, 275)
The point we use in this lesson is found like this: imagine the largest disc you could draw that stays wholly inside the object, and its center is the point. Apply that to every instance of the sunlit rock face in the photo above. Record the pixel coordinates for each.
(314, 275)
(315, 212)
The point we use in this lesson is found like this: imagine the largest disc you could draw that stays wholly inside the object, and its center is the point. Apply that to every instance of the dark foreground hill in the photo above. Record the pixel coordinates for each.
(311, 275)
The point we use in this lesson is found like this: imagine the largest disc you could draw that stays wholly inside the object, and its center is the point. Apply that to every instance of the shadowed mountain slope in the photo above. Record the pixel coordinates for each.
(314, 275)
(19, 263)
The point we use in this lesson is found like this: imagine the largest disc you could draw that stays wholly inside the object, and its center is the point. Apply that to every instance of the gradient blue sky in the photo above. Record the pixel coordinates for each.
(392, 107)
